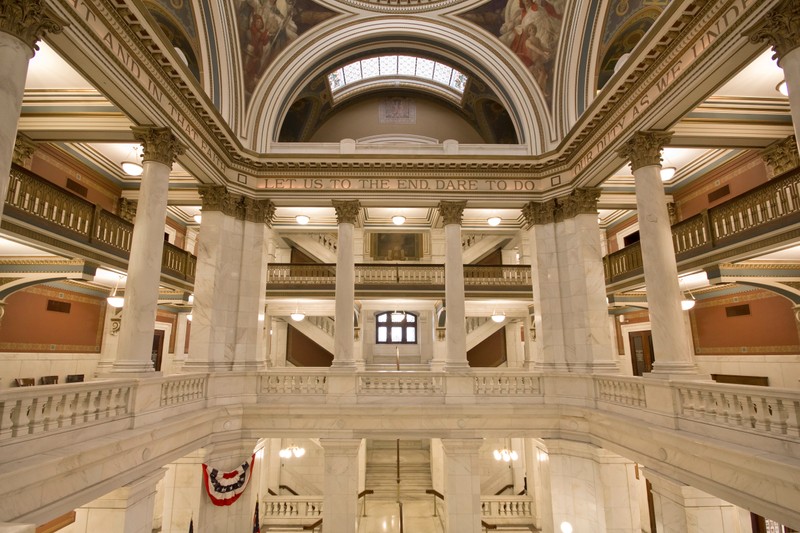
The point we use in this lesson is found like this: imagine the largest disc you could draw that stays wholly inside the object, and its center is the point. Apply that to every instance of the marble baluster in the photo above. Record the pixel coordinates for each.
(147, 247)
(672, 340)
(462, 478)
(455, 322)
(781, 29)
(347, 215)
(216, 286)
(249, 349)
(340, 487)
(23, 24)
(128, 509)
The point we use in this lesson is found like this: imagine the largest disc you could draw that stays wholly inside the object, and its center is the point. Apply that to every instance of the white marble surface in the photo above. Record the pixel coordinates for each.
(341, 484)
(549, 348)
(782, 370)
(182, 491)
(575, 486)
(462, 485)
(35, 365)
(343, 353)
(672, 340)
(456, 334)
(248, 346)
(144, 273)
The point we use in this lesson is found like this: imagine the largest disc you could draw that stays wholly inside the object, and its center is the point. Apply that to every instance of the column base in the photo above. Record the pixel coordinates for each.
(670, 370)
(597, 367)
(204, 367)
(130, 369)
(456, 367)
(252, 366)
(436, 366)
(344, 366)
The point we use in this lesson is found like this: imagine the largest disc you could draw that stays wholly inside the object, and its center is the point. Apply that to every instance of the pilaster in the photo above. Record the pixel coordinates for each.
(462, 485)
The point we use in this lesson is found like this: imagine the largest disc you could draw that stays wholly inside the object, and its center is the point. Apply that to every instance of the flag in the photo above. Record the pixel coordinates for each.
(256, 521)
(191, 525)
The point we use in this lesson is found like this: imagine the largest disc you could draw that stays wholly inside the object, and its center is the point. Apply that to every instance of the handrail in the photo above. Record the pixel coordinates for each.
(312, 527)
(436, 493)
(271, 492)
(288, 488)
(32, 197)
(501, 491)
(366, 492)
(765, 207)
(486, 525)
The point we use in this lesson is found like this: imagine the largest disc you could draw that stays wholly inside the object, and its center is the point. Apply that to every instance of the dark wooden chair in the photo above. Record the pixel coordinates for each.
(25, 382)
(49, 380)
(75, 378)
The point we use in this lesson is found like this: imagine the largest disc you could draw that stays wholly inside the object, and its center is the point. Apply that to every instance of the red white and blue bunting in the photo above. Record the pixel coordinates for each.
(225, 488)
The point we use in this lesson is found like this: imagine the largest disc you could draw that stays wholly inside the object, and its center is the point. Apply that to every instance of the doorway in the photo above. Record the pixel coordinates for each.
(158, 348)
(642, 356)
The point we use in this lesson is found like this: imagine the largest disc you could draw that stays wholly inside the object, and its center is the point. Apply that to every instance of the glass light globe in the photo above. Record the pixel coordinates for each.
(398, 220)
(302, 219)
(494, 221)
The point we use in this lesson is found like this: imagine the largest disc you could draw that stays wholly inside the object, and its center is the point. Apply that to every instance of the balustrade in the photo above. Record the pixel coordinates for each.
(494, 507)
(768, 204)
(621, 390)
(294, 383)
(291, 507)
(179, 389)
(507, 384)
(403, 384)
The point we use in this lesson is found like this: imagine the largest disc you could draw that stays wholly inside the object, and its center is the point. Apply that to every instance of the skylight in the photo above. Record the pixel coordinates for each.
(397, 66)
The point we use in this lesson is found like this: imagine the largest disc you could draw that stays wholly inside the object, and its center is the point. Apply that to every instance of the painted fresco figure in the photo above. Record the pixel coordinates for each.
(268, 31)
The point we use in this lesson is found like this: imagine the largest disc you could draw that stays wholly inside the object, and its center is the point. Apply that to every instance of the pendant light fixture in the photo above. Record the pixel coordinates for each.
(114, 300)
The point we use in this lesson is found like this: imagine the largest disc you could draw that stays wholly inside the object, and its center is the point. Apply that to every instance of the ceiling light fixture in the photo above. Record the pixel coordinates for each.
(667, 173)
(398, 220)
(498, 316)
(782, 88)
(131, 165)
(302, 219)
(688, 303)
(505, 455)
(298, 315)
(292, 451)
(114, 300)
(494, 221)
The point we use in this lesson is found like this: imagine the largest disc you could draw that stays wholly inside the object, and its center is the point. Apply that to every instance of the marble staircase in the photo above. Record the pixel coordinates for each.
(415, 470)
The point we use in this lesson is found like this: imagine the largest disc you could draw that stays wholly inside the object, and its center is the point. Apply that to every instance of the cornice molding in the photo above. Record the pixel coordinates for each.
(28, 21)
(451, 212)
(780, 28)
(644, 148)
(346, 211)
(159, 144)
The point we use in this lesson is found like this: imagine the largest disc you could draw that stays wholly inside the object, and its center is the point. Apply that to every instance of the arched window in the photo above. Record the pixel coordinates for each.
(396, 327)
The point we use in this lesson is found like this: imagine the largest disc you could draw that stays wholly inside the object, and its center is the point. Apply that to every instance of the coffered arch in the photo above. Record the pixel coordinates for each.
(446, 40)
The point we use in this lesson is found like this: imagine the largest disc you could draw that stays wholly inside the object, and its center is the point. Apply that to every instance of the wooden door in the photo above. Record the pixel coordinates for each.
(642, 355)
(158, 348)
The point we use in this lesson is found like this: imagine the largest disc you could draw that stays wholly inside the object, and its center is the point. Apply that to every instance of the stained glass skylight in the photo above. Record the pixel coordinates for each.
(394, 66)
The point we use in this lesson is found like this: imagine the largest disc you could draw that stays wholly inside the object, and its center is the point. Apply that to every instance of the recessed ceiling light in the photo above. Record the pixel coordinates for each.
(783, 88)
(302, 219)
(494, 221)
(398, 220)
(667, 173)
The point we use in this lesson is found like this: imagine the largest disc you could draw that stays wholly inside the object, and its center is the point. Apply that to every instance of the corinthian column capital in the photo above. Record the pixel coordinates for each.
(159, 144)
(538, 213)
(27, 20)
(644, 148)
(346, 210)
(780, 28)
(260, 211)
(452, 212)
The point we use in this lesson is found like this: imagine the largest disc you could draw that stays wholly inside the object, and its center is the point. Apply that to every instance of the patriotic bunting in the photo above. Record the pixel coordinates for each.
(225, 488)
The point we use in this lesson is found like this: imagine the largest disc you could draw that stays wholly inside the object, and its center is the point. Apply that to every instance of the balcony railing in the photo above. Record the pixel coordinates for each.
(38, 202)
(385, 276)
(767, 208)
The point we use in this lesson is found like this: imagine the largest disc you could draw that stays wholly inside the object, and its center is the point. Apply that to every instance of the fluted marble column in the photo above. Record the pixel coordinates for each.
(147, 246)
(781, 29)
(217, 281)
(22, 24)
(456, 318)
(249, 346)
(462, 482)
(672, 341)
(343, 350)
(340, 486)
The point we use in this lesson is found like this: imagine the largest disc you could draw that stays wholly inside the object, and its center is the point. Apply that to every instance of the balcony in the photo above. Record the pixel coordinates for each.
(741, 228)
(409, 280)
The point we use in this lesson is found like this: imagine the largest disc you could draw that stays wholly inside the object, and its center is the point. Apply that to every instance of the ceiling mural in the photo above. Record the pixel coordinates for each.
(530, 28)
(267, 27)
(176, 20)
(626, 23)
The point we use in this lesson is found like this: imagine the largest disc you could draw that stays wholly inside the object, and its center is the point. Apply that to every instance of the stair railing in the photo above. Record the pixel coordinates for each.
(363, 494)
(436, 494)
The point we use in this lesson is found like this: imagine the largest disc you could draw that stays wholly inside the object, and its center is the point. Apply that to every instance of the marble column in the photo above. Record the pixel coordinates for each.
(147, 246)
(128, 509)
(227, 456)
(679, 508)
(462, 485)
(672, 341)
(249, 343)
(781, 29)
(340, 487)
(22, 24)
(111, 325)
(182, 492)
(217, 282)
(343, 351)
(181, 330)
(456, 318)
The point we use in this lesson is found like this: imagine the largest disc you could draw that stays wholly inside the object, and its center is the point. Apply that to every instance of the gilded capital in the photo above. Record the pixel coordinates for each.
(644, 148)
(781, 156)
(581, 201)
(260, 211)
(346, 210)
(159, 144)
(452, 212)
(217, 198)
(28, 20)
(780, 28)
(23, 150)
(538, 213)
